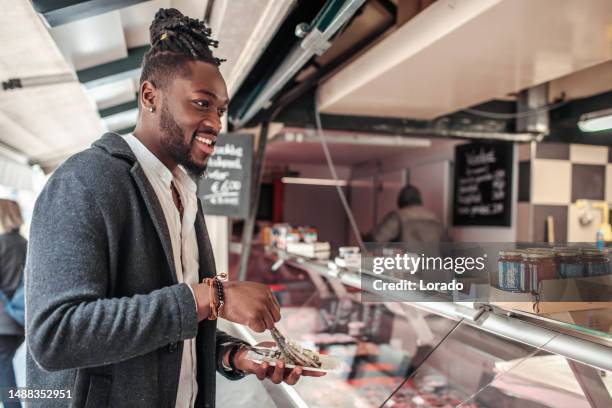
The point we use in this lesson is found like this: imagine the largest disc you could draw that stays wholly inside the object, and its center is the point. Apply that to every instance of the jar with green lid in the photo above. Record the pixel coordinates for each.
(510, 274)
(569, 263)
(538, 266)
(596, 262)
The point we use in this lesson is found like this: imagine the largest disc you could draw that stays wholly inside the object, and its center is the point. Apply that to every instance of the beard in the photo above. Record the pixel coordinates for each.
(175, 145)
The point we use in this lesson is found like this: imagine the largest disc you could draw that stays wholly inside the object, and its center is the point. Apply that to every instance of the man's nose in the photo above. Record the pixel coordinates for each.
(213, 122)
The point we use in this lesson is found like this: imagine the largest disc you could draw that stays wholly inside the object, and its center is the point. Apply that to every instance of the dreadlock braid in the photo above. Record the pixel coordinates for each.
(176, 39)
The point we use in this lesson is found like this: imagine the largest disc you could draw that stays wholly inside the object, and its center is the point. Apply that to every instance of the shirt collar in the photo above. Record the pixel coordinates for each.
(183, 178)
(148, 160)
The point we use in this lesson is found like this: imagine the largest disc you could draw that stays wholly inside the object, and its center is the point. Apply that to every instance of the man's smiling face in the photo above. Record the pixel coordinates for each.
(190, 116)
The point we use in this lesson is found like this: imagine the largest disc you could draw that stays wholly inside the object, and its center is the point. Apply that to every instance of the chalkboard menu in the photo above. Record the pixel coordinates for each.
(226, 187)
(483, 184)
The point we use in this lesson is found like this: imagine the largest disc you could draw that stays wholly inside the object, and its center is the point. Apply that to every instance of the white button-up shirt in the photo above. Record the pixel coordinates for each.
(184, 245)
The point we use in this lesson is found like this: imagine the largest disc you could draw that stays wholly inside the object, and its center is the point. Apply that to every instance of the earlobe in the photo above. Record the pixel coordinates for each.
(148, 95)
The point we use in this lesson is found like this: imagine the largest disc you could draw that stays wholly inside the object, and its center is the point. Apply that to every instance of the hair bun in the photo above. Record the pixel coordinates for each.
(163, 19)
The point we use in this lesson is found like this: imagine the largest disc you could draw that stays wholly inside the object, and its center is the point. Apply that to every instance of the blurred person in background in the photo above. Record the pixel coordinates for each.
(410, 224)
(12, 260)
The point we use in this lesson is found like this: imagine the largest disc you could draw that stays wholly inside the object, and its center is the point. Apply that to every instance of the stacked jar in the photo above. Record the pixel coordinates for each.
(569, 263)
(539, 265)
(596, 262)
(510, 272)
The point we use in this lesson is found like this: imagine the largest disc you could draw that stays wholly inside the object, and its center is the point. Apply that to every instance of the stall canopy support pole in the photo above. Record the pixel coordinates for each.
(249, 225)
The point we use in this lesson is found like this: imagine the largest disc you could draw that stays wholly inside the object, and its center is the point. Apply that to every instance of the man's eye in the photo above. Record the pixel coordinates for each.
(202, 103)
(222, 112)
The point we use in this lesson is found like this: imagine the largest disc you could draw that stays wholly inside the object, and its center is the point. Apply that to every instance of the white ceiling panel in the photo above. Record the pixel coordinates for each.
(194, 8)
(136, 20)
(113, 93)
(14, 135)
(91, 41)
(27, 48)
(48, 120)
(121, 120)
(459, 53)
(41, 121)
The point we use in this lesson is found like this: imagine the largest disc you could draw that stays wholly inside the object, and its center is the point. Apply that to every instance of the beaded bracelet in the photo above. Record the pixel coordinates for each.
(220, 296)
(217, 299)
(232, 355)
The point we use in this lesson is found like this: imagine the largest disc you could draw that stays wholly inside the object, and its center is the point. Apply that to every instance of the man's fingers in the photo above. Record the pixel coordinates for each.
(307, 373)
(261, 371)
(275, 307)
(294, 376)
(269, 321)
(275, 311)
(277, 375)
(257, 325)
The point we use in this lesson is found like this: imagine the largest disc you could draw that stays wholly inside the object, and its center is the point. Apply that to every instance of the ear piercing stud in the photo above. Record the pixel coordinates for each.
(151, 109)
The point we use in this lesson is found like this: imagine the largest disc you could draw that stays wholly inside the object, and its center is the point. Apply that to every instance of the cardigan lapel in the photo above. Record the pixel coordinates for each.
(116, 146)
(206, 257)
(156, 213)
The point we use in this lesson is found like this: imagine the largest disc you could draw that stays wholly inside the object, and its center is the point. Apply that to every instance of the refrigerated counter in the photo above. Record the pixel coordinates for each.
(426, 354)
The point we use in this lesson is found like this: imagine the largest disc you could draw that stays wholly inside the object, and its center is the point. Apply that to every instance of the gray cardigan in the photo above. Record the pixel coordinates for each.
(105, 316)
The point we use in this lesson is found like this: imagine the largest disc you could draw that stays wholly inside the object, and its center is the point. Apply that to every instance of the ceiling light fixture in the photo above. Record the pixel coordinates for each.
(596, 121)
(313, 181)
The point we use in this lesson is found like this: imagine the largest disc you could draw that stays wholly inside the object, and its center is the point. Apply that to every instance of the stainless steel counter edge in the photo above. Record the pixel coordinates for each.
(574, 348)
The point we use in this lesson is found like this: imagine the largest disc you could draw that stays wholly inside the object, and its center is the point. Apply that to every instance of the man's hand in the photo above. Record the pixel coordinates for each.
(276, 374)
(248, 303)
(251, 304)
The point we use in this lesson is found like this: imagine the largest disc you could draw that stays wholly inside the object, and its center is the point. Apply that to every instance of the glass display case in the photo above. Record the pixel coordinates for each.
(426, 354)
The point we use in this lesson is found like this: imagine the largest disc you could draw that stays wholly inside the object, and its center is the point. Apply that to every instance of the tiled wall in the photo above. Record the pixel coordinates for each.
(562, 174)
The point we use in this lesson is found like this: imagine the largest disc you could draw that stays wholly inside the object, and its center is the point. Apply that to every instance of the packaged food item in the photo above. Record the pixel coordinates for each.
(318, 250)
(348, 257)
(308, 234)
(345, 252)
(265, 235)
(279, 231)
(292, 236)
(272, 355)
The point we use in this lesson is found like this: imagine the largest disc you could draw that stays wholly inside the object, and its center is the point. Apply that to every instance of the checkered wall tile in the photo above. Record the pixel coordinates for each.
(562, 174)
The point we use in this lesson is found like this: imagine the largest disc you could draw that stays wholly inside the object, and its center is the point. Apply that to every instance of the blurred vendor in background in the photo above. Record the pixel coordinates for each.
(411, 223)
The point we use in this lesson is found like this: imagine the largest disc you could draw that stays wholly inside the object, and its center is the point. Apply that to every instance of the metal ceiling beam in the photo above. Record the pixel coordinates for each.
(58, 12)
(114, 70)
(304, 86)
(304, 135)
(208, 12)
(316, 42)
(118, 108)
(125, 130)
(28, 82)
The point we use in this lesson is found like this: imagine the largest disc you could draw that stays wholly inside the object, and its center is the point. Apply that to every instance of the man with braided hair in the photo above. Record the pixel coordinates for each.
(116, 314)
